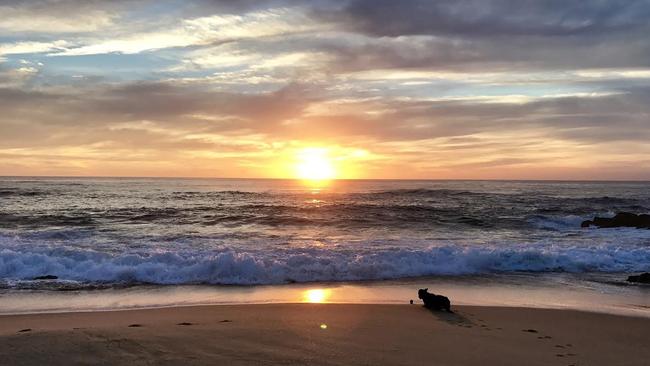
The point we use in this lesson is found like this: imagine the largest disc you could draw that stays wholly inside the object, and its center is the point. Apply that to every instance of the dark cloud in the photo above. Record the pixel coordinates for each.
(496, 33)
(488, 18)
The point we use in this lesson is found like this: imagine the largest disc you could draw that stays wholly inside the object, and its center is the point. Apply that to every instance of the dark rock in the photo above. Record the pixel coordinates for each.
(622, 219)
(433, 301)
(46, 277)
(642, 278)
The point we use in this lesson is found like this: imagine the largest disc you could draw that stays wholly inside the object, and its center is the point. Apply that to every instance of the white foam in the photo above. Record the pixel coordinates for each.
(228, 266)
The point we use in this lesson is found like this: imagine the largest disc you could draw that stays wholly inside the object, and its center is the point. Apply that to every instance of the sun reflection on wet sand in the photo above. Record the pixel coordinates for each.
(316, 295)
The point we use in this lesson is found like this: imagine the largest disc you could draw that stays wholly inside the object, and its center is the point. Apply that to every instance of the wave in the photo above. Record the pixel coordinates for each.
(559, 223)
(227, 266)
(424, 192)
(20, 192)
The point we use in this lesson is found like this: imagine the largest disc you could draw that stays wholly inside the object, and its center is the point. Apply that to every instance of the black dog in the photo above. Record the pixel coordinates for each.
(433, 301)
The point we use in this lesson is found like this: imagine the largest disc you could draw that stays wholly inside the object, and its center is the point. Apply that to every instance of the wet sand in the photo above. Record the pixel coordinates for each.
(325, 334)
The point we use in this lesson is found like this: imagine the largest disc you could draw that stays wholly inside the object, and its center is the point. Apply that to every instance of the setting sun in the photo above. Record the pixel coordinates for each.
(315, 164)
(318, 164)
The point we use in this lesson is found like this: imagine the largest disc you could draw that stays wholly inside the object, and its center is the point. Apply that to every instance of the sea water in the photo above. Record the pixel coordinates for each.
(101, 235)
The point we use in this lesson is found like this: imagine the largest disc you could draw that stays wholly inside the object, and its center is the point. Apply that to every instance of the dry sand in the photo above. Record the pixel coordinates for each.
(325, 334)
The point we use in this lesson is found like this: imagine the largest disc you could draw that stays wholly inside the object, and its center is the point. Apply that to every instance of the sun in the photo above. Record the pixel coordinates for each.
(315, 164)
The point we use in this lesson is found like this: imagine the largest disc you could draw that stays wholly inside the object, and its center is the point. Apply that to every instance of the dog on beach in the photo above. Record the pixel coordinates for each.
(433, 301)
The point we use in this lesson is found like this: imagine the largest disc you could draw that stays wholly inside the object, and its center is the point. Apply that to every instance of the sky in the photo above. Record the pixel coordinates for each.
(464, 89)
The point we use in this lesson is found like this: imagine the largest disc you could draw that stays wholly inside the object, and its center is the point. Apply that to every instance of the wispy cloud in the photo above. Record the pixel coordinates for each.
(56, 17)
(198, 31)
(31, 47)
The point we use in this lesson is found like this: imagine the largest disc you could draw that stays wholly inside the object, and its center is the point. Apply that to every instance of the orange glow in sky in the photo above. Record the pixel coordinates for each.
(318, 164)
(319, 91)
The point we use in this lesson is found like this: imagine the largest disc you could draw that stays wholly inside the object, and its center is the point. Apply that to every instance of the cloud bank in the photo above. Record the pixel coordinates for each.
(448, 89)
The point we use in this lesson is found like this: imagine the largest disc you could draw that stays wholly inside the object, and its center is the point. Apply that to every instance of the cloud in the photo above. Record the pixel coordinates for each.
(497, 88)
(158, 118)
(17, 77)
(197, 31)
(58, 16)
(552, 34)
(484, 19)
(31, 47)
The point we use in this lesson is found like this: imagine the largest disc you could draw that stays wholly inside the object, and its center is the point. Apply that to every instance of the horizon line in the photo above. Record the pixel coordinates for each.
(335, 179)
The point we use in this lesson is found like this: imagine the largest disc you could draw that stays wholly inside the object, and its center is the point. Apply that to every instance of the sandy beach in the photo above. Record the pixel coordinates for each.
(325, 334)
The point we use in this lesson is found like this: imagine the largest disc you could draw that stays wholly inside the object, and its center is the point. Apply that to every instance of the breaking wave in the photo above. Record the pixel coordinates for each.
(227, 266)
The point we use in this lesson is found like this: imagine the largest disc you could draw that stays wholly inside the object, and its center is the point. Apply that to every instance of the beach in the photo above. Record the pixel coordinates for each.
(325, 334)
(108, 271)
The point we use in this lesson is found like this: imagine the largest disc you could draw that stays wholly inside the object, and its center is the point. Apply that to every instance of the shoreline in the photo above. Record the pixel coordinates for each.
(328, 334)
(519, 291)
(644, 312)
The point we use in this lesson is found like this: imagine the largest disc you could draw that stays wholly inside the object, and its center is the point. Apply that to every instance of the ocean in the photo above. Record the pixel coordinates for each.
(95, 234)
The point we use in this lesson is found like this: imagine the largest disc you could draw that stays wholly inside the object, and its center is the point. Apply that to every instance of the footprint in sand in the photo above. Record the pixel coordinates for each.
(225, 321)
(529, 330)
(135, 325)
(184, 323)
(566, 355)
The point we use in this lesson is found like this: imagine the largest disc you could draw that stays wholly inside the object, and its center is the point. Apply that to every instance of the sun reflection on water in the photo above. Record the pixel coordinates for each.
(316, 295)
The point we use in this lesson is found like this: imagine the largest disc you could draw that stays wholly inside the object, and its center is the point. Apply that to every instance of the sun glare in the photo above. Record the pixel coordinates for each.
(315, 164)
(316, 295)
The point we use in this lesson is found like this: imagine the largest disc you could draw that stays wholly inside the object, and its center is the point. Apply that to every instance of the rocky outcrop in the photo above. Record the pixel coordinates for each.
(623, 219)
(46, 277)
(642, 278)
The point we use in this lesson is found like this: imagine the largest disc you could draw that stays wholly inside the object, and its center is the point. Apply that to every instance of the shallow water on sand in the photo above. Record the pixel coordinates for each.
(598, 293)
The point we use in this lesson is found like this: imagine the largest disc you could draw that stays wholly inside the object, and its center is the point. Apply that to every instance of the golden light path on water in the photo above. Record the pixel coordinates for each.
(541, 292)
(316, 296)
